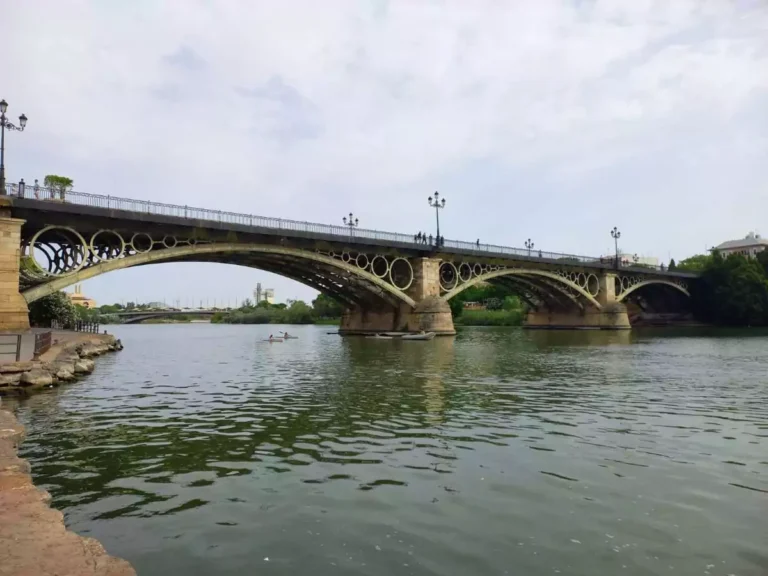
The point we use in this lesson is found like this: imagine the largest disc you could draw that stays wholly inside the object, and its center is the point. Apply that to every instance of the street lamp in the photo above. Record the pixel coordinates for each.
(529, 245)
(615, 234)
(437, 203)
(352, 222)
(5, 125)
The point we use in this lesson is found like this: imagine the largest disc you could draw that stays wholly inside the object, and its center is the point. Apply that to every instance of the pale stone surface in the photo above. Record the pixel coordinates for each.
(36, 377)
(10, 379)
(64, 371)
(84, 366)
(611, 317)
(14, 314)
(12, 367)
(33, 539)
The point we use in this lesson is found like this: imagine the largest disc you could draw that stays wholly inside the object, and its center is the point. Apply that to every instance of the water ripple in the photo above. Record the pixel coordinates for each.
(199, 450)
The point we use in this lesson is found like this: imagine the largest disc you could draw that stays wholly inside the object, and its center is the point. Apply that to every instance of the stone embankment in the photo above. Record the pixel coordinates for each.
(33, 538)
(70, 357)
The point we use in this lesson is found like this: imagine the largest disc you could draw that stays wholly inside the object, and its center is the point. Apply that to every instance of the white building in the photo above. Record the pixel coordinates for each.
(266, 294)
(748, 246)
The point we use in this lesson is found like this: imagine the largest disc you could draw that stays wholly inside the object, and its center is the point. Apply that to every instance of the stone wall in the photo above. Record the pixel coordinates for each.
(14, 314)
(63, 363)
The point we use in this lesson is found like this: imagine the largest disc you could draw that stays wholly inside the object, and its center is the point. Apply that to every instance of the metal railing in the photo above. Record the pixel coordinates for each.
(10, 347)
(78, 326)
(42, 342)
(356, 235)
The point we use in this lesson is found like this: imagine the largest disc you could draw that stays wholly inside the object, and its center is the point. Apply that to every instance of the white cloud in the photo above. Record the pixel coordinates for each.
(580, 113)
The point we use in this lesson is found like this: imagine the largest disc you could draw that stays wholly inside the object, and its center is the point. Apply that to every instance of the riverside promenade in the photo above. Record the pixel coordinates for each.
(33, 538)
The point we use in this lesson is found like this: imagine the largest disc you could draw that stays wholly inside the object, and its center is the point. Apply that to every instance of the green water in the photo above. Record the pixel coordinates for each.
(201, 449)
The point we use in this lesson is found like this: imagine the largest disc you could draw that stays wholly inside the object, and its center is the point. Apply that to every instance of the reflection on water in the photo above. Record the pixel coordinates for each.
(201, 449)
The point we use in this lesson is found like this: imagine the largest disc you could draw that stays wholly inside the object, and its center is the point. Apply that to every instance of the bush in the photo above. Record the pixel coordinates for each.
(491, 318)
(55, 307)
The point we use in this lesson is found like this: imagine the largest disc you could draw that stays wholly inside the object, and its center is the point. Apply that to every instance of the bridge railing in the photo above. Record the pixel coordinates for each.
(353, 235)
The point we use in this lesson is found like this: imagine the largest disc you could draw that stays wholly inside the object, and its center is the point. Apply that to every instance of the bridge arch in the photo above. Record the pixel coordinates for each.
(653, 281)
(218, 252)
(555, 281)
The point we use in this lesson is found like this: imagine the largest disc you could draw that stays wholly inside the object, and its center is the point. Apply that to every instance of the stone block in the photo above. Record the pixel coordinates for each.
(84, 366)
(16, 367)
(37, 378)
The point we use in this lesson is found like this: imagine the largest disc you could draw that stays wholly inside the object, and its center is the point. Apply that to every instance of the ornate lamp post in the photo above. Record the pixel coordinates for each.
(615, 234)
(5, 125)
(529, 245)
(437, 203)
(352, 222)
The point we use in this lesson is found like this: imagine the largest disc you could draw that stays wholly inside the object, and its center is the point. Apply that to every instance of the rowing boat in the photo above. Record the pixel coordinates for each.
(425, 336)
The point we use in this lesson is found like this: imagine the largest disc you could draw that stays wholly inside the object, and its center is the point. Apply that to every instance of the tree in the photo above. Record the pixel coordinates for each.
(326, 307)
(732, 291)
(457, 306)
(695, 263)
(54, 307)
(762, 258)
(58, 184)
(672, 265)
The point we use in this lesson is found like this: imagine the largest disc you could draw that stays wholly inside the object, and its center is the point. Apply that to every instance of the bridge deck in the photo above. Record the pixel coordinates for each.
(94, 212)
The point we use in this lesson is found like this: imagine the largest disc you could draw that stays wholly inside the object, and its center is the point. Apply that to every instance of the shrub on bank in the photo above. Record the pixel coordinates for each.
(490, 318)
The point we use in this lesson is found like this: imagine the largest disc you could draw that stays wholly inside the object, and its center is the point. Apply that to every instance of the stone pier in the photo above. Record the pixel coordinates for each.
(430, 314)
(14, 314)
(611, 315)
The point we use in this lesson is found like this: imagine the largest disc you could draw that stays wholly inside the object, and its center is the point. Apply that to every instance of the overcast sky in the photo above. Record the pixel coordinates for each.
(550, 120)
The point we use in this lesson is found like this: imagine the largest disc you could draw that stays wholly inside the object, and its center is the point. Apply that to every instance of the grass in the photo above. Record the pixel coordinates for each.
(490, 318)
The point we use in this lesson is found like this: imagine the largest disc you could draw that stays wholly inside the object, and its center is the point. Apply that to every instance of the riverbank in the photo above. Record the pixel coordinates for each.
(33, 538)
(69, 357)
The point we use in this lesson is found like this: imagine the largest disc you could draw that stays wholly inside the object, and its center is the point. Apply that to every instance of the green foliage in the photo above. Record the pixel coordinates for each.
(672, 265)
(695, 263)
(54, 307)
(59, 185)
(495, 296)
(732, 291)
(491, 318)
(326, 307)
(457, 306)
(87, 314)
(762, 258)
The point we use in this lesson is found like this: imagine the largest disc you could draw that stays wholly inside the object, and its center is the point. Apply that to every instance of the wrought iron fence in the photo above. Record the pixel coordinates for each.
(345, 233)
(42, 342)
(78, 326)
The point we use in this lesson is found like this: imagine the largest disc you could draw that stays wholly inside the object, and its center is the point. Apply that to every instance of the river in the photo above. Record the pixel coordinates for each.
(201, 449)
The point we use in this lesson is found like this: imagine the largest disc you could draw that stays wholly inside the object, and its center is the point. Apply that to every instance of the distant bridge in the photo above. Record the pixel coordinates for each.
(136, 316)
(386, 281)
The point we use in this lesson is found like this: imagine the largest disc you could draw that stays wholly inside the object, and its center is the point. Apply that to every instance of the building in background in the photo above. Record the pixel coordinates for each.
(748, 246)
(264, 295)
(79, 299)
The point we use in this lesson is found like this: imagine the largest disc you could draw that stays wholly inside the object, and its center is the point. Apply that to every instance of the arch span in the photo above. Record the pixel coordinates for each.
(266, 255)
(552, 279)
(622, 296)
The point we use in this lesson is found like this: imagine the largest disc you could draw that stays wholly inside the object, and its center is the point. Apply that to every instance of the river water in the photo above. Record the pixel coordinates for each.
(201, 449)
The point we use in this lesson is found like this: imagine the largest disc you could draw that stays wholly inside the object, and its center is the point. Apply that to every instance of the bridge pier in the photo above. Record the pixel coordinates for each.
(611, 315)
(14, 314)
(431, 313)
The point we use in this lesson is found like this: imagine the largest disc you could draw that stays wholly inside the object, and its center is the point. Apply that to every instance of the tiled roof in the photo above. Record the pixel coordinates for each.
(743, 243)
